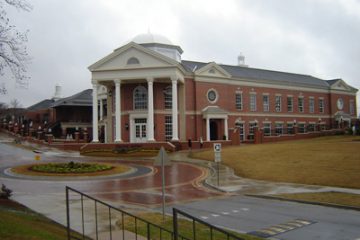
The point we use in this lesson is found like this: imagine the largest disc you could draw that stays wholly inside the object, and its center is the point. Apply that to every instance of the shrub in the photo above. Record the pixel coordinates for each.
(5, 193)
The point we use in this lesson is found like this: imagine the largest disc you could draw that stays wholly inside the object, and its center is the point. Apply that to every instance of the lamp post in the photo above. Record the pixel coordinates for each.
(39, 132)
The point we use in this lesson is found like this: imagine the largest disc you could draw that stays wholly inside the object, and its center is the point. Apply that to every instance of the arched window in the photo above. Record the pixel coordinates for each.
(133, 60)
(140, 97)
(168, 97)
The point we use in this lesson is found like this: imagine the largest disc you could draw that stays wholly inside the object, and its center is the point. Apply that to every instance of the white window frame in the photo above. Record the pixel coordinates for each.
(279, 128)
(168, 97)
(266, 104)
(267, 125)
(252, 102)
(311, 105)
(168, 128)
(301, 106)
(239, 101)
(277, 103)
(290, 107)
(140, 103)
(321, 105)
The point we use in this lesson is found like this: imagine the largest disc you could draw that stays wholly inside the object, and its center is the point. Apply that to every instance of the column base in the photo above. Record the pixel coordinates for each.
(95, 141)
(175, 140)
(118, 141)
(151, 140)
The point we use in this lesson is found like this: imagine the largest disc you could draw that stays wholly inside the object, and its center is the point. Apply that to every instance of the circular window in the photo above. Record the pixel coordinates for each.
(212, 95)
(340, 104)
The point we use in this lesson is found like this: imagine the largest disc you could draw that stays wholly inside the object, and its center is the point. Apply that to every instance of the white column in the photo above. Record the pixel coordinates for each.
(150, 118)
(207, 129)
(117, 111)
(175, 129)
(226, 130)
(101, 109)
(95, 121)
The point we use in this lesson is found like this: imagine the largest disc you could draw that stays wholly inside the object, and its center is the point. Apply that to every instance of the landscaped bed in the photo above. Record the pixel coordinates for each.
(71, 169)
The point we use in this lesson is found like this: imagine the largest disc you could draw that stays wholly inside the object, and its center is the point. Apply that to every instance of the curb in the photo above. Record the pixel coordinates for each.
(333, 205)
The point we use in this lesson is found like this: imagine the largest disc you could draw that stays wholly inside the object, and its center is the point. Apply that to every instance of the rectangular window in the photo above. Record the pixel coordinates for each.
(301, 104)
(252, 102)
(266, 106)
(278, 103)
(238, 101)
(311, 105)
(290, 128)
(321, 105)
(278, 128)
(168, 128)
(352, 107)
(290, 104)
(267, 129)
(240, 126)
(252, 125)
(301, 128)
(311, 127)
(168, 101)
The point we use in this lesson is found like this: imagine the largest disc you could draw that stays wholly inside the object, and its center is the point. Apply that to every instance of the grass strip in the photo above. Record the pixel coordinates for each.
(185, 228)
(337, 198)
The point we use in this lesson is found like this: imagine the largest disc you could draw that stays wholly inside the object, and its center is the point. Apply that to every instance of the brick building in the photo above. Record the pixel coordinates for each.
(145, 92)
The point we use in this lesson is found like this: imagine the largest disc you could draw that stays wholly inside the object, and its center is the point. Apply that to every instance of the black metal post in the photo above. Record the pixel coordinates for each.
(82, 216)
(148, 231)
(96, 222)
(67, 212)
(110, 223)
(175, 225)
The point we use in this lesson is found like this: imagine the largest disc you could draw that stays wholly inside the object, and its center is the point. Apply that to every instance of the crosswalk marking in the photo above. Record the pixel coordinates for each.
(204, 217)
(215, 215)
(281, 228)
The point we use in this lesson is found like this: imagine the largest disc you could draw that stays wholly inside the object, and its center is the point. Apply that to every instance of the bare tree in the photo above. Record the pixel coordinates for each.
(13, 52)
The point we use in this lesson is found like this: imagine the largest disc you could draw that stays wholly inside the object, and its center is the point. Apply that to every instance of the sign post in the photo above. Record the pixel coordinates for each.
(217, 158)
(162, 160)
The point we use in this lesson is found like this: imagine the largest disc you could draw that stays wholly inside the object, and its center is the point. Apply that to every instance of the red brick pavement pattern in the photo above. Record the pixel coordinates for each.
(182, 184)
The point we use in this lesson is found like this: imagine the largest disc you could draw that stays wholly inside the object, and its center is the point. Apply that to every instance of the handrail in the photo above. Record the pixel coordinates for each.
(149, 224)
(176, 233)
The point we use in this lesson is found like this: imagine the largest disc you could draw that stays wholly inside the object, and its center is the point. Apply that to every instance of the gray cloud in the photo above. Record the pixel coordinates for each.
(318, 38)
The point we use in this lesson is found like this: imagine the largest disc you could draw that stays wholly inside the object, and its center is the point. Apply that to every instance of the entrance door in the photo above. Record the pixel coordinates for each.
(213, 130)
(140, 129)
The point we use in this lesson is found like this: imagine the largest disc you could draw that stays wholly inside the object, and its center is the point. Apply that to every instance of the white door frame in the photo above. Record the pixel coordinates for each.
(132, 118)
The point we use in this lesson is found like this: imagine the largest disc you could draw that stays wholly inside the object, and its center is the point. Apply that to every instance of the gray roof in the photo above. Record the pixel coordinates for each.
(83, 98)
(262, 74)
(44, 104)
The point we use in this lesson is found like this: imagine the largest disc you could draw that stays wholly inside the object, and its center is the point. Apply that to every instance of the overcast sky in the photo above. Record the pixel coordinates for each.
(314, 37)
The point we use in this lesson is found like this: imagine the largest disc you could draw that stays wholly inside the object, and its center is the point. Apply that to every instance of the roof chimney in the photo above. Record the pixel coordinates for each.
(57, 94)
(241, 60)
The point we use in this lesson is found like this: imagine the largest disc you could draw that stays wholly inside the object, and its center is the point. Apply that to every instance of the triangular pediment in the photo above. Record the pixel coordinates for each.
(340, 84)
(132, 56)
(212, 70)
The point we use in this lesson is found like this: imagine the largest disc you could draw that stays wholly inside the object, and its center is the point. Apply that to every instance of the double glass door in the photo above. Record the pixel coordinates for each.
(140, 130)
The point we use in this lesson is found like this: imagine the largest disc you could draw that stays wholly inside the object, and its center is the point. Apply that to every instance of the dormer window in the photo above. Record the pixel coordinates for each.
(133, 60)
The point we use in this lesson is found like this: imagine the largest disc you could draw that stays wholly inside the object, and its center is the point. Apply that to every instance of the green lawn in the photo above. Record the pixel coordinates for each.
(19, 223)
(328, 161)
